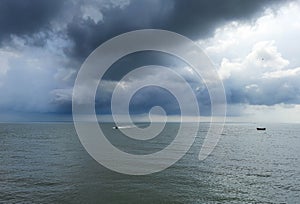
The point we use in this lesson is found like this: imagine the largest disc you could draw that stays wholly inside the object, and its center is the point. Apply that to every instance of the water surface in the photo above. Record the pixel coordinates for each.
(45, 163)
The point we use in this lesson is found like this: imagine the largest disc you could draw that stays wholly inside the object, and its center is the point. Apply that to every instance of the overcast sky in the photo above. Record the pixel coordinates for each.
(254, 45)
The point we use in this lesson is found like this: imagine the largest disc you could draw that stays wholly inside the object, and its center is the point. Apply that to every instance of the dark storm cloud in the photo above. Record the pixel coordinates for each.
(148, 97)
(87, 34)
(25, 17)
(192, 18)
(197, 19)
(145, 99)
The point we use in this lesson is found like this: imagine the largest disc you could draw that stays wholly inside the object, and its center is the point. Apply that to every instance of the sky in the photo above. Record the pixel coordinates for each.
(254, 46)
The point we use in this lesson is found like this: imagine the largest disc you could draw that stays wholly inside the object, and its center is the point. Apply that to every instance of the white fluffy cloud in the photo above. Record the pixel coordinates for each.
(259, 63)
(263, 58)
(235, 40)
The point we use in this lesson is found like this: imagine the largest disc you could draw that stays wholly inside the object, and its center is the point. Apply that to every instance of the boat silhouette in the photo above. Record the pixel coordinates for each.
(261, 128)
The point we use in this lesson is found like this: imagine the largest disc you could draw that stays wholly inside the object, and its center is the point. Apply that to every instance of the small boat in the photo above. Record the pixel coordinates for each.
(261, 128)
(115, 127)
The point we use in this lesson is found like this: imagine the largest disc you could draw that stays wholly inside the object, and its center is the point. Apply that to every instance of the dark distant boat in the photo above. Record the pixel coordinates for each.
(261, 128)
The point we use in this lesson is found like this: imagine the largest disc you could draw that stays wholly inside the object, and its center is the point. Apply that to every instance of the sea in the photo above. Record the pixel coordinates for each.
(46, 163)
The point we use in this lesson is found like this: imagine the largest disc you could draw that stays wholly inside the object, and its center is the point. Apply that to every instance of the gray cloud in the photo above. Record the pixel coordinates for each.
(75, 19)
(192, 18)
(88, 34)
(198, 19)
(65, 32)
(24, 17)
(261, 78)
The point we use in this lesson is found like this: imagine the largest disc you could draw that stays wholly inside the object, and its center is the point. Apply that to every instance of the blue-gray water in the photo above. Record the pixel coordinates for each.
(45, 163)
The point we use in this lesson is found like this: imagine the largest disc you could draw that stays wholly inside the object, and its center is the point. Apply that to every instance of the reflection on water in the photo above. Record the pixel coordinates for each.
(45, 163)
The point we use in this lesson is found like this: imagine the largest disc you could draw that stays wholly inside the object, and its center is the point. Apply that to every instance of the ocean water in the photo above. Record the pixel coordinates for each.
(45, 163)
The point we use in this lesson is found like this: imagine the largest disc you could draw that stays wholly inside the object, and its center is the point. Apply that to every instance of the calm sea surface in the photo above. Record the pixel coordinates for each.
(45, 163)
